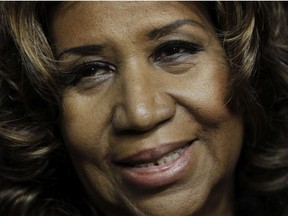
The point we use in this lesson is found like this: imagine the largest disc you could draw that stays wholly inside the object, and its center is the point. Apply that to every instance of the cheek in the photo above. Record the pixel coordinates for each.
(203, 93)
(203, 90)
(228, 143)
(85, 136)
(211, 87)
(83, 126)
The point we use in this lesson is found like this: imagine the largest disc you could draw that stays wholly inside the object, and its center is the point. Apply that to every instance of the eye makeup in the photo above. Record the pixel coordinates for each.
(173, 50)
(92, 71)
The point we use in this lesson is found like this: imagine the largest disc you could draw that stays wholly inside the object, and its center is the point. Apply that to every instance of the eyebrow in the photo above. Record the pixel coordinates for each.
(82, 50)
(165, 30)
(152, 35)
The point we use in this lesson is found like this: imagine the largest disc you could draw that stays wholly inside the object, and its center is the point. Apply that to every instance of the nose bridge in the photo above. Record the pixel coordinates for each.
(140, 96)
(142, 106)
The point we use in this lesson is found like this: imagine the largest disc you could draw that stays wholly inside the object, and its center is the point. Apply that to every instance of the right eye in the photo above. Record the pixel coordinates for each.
(91, 71)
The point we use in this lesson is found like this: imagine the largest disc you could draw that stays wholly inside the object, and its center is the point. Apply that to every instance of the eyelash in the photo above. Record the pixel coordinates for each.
(177, 49)
(88, 69)
(165, 53)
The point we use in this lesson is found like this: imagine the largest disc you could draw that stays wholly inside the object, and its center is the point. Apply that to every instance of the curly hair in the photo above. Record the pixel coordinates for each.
(34, 165)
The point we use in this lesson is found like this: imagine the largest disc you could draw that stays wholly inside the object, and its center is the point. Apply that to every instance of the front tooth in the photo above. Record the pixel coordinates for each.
(161, 161)
(168, 159)
(150, 164)
(165, 159)
(180, 151)
(175, 156)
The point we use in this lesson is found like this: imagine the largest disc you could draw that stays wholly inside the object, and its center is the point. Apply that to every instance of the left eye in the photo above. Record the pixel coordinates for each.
(172, 50)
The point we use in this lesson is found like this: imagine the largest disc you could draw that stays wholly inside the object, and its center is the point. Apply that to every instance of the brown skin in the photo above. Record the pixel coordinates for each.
(144, 101)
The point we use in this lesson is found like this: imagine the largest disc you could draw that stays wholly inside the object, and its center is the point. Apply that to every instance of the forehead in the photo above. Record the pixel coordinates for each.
(78, 21)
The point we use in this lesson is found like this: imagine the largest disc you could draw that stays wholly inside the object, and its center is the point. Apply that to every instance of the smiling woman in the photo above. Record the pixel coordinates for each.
(116, 108)
(153, 77)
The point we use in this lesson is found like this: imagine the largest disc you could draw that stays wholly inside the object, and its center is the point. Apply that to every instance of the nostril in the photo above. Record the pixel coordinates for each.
(137, 121)
(143, 113)
(135, 130)
(140, 120)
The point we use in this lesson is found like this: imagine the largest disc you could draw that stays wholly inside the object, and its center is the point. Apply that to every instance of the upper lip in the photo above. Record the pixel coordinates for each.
(151, 154)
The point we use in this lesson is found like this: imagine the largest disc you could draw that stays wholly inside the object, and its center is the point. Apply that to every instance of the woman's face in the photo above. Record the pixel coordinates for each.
(144, 114)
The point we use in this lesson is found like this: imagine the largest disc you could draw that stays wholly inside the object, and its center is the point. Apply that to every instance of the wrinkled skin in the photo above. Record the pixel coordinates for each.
(147, 95)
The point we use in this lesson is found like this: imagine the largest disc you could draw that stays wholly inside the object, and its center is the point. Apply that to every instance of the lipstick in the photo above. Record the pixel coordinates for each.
(156, 167)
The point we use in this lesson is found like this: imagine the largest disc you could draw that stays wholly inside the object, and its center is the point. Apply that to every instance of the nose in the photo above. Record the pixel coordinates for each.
(143, 102)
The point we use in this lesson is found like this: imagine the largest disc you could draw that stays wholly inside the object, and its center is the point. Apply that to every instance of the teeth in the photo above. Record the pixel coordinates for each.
(150, 164)
(161, 161)
(175, 156)
(165, 159)
(168, 159)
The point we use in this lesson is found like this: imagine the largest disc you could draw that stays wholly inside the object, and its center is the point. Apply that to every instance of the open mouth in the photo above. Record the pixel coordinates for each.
(166, 159)
(157, 167)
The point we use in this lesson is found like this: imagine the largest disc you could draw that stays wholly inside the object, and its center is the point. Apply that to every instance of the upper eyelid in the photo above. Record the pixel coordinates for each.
(94, 49)
(177, 43)
(70, 63)
(91, 63)
(185, 35)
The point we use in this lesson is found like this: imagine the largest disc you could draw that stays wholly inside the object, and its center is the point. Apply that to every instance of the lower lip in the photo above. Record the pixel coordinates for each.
(157, 176)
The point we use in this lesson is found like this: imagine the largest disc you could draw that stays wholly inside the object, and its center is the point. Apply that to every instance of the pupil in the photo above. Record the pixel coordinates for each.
(172, 51)
(90, 72)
